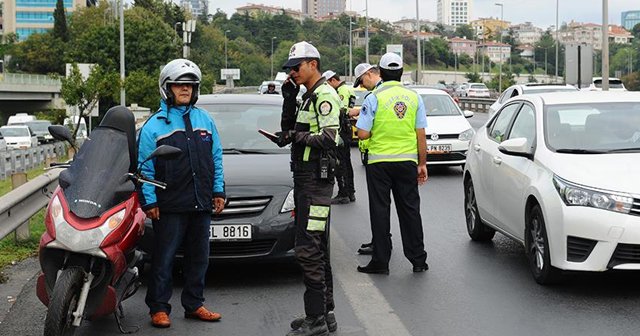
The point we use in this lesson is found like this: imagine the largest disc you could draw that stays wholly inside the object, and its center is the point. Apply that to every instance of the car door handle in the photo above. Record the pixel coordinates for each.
(497, 160)
(476, 147)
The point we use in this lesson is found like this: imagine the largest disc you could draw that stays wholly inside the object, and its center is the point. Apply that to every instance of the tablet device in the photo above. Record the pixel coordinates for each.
(269, 135)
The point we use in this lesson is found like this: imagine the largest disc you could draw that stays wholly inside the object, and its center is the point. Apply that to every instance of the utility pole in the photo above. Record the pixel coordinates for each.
(366, 31)
(350, 49)
(605, 45)
(555, 80)
(122, 71)
(272, 38)
(419, 73)
(500, 48)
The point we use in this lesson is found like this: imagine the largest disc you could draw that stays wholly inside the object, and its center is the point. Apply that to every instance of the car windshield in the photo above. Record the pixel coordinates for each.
(439, 105)
(14, 131)
(360, 97)
(593, 127)
(39, 126)
(238, 125)
(613, 83)
(546, 90)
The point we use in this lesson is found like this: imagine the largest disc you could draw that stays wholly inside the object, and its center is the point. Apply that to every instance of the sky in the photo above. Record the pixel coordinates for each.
(540, 12)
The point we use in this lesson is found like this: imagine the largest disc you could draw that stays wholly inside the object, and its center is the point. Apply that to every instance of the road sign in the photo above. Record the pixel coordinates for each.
(579, 64)
(229, 74)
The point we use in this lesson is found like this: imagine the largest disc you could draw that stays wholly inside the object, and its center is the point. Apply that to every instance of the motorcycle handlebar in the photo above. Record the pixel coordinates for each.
(158, 184)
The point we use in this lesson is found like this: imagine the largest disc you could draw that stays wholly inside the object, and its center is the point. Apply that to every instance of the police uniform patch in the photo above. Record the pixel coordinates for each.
(325, 108)
(341, 97)
(400, 108)
(363, 110)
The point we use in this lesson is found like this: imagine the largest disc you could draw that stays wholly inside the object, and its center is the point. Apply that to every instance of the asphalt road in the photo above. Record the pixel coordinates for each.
(470, 289)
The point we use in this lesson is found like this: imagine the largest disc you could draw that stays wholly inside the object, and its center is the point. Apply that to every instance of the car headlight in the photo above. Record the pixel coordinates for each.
(577, 195)
(467, 135)
(289, 203)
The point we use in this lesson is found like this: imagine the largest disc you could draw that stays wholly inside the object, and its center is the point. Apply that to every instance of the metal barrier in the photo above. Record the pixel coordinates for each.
(31, 79)
(21, 160)
(476, 104)
(20, 204)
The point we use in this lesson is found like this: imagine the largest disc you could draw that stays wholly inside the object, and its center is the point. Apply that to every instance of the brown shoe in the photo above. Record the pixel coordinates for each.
(160, 320)
(203, 314)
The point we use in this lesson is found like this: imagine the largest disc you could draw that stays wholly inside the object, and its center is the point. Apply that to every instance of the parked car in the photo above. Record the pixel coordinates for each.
(263, 87)
(476, 90)
(528, 88)
(41, 129)
(448, 132)
(19, 137)
(461, 90)
(557, 173)
(20, 118)
(257, 222)
(615, 84)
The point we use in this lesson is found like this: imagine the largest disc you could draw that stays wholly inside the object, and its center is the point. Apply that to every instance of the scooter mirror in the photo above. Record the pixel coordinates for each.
(166, 151)
(60, 132)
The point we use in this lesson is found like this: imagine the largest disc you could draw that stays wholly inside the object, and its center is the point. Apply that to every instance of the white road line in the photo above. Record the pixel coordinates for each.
(372, 309)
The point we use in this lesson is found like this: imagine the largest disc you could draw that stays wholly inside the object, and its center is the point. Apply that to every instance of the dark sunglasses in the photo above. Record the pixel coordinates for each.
(296, 68)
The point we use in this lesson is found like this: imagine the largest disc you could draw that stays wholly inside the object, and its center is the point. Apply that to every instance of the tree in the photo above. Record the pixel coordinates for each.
(60, 30)
(507, 81)
(632, 81)
(40, 53)
(636, 31)
(85, 93)
(473, 77)
(465, 31)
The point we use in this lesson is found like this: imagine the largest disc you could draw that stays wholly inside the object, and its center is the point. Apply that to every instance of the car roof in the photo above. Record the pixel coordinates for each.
(239, 99)
(431, 91)
(560, 98)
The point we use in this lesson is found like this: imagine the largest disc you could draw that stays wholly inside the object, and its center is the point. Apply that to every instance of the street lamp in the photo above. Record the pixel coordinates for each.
(273, 38)
(555, 80)
(351, 23)
(226, 56)
(501, 32)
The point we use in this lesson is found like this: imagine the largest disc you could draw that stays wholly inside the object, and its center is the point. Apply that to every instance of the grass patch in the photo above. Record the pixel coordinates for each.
(12, 251)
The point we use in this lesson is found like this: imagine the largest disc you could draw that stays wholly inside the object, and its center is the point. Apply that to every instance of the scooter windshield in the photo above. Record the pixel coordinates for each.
(97, 179)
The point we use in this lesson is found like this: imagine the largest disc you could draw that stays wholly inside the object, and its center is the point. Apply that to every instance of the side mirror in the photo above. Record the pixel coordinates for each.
(467, 114)
(516, 147)
(61, 133)
(166, 151)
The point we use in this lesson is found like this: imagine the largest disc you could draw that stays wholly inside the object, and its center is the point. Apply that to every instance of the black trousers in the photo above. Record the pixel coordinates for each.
(313, 204)
(400, 178)
(344, 171)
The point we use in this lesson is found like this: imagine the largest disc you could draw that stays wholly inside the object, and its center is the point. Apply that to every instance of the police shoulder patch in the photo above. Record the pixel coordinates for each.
(325, 108)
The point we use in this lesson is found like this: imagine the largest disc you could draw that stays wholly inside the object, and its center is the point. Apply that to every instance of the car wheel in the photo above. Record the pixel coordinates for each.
(476, 229)
(537, 249)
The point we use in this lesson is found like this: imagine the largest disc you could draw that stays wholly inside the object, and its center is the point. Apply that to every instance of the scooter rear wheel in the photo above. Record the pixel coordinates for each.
(63, 303)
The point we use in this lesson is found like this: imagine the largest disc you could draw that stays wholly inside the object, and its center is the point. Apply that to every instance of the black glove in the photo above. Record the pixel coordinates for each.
(290, 90)
(285, 138)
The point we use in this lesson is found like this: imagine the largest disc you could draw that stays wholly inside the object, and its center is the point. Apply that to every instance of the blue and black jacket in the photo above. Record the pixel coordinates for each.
(196, 176)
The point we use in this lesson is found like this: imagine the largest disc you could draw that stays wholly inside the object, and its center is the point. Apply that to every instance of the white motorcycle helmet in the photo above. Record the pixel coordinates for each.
(179, 71)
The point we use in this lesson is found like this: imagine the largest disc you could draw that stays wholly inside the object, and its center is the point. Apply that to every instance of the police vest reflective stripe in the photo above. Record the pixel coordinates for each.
(393, 135)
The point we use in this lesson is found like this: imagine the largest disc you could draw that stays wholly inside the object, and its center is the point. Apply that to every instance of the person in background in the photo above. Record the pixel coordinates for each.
(271, 89)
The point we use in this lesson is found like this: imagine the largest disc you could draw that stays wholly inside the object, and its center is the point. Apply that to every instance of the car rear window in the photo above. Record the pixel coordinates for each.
(478, 86)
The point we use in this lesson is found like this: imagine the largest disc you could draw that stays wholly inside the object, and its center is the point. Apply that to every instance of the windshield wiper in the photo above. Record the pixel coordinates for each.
(580, 151)
(622, 150)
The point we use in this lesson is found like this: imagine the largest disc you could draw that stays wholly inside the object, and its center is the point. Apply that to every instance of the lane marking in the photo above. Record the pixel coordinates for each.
(371, 308)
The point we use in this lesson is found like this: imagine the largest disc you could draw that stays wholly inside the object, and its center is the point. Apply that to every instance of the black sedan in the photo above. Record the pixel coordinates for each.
(258, 219)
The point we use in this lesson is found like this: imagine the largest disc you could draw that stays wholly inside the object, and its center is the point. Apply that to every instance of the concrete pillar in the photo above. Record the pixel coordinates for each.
(22, 233)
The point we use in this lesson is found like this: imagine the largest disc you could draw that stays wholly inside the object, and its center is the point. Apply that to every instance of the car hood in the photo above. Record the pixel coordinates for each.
(613, 172)
(257, 169)
(447, 124)
(17, 139)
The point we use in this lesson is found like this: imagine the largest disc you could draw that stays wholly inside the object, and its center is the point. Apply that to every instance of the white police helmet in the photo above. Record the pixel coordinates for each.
(179, 71)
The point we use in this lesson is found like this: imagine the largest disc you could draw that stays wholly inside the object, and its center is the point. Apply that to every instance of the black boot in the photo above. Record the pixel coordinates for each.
(352, 197)
(340, 199)
(311, 326)
(330, 317)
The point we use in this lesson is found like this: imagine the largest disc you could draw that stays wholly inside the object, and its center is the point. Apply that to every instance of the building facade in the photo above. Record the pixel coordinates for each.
(488, 28)
(26, 17)
(630, 19)
(454, 12)
(496, 51)
(254, 10)
(196, 7)
(321, 8)
(461, 46)
(591, 34)
(526, 33)
(410, 24)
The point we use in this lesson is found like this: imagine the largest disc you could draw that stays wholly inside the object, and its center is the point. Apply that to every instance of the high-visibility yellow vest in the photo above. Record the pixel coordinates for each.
(393, 135)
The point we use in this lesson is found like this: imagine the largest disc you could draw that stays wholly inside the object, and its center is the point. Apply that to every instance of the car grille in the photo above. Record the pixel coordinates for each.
(578, 249)
(635, 208)
(454, 156)
(242, 248)
(625, 254)
(240, 206)
(443, 136)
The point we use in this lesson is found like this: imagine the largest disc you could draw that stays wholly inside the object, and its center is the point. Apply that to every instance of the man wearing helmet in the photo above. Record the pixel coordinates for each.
(181, 214)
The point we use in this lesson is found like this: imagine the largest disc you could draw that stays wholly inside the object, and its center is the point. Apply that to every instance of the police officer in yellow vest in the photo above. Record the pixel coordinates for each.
(344, 171)
(394, 119)
(313, 132)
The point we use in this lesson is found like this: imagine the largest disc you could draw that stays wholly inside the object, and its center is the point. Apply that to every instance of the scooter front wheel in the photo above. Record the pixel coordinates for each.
(63, 303)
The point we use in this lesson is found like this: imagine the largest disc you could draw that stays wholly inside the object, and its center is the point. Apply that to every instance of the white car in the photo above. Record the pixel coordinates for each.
(448, 131)
(477, 90)
(558, 173)
(528, 88)
(19, 137)
(3, 144)
(615, 84)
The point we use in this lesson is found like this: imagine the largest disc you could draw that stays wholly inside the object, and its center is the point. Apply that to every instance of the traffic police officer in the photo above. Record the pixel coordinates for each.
(344, 171)
(393, 118)
(313, 132)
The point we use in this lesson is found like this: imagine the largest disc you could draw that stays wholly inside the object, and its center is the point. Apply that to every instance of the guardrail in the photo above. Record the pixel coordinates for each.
(31, 79)
(21, 160)
(476, 104)
(17, 206)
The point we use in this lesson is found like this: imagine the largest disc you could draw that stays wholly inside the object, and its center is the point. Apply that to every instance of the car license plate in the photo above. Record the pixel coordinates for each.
(230, 232)
(438, 149)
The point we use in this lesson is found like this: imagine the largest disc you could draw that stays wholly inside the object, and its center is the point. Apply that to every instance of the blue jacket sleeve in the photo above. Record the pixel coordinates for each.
(147, 144)
(216, 148)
